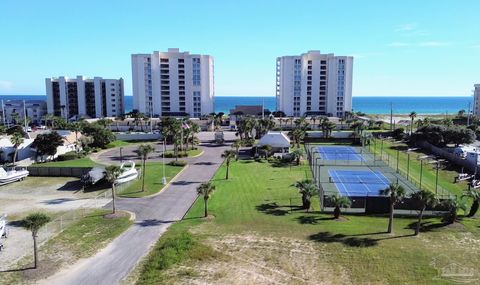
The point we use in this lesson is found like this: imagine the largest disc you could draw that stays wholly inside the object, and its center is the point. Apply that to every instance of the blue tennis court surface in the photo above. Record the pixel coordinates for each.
(358, 182)
(339, 153)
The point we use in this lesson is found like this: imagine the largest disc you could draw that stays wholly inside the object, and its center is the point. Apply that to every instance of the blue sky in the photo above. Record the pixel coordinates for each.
(406, 48)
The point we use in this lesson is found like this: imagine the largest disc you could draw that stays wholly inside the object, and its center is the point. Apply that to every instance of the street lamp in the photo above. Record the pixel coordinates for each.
(164, 179)
(421, 158)
(121, 156)
(408, 160)
(437, 167)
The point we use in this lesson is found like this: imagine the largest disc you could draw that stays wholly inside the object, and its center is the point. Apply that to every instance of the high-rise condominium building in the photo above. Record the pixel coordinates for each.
(83, 97)
(15, 110)
(314, 84)
(173, 83)
(476, 100)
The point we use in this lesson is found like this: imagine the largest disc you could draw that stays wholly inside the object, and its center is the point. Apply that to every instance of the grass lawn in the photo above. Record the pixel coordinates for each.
(81, 162)
(190, 152)
(80, 239)
(257, 234)
(446, 176)
(119, 143)
(153, 180)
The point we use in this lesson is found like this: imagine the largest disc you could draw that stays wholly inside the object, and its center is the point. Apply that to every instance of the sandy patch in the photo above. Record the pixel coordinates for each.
(254, 259)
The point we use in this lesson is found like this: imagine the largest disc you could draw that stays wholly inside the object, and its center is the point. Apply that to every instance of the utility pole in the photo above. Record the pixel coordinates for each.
(391, 116)
(468, 115)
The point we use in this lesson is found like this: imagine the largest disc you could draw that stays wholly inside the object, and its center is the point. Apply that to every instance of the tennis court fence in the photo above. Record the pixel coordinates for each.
(384, 163)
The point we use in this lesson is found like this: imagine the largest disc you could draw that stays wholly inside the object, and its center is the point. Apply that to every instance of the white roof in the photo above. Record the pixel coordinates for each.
(6, 143)
(275, 139)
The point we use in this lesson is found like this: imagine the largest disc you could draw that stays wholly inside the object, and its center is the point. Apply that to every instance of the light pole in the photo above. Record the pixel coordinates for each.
(421, 172)
(164, 179)
(437, 166)
(421, 168)
(408, 160)
(121, 156)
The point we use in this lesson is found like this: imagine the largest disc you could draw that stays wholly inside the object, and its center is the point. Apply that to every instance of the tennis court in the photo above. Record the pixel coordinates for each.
(358, 183)
(339, 153)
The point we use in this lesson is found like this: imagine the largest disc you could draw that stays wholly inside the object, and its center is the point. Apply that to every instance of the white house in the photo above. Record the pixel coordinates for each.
(7, 149)
(277, 140)
(69, 143)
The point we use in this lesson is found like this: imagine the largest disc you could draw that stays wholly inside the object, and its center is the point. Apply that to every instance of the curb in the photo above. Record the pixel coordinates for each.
(133, 217)
(197, 154)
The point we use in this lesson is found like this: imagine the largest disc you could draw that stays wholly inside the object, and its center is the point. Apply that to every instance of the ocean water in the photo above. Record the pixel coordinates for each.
(369, 105)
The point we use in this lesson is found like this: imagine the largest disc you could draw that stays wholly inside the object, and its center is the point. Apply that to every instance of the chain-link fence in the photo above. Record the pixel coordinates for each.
(421, 170)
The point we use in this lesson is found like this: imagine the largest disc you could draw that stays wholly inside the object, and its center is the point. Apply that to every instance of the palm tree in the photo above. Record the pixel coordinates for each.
(194, 129)
(267, 149)
(16, 139)
(329, 127)
(237, 144)
(297, 154)
(424, 198)
(143, 151)
(112, 172)
(313, 119)
(453, 205)
(412, 116)
(228, 155)
(206, 190)
(339, 202)
(77, 128)
(34, 222)
(475, 196)
(308, 189)
(396, 193)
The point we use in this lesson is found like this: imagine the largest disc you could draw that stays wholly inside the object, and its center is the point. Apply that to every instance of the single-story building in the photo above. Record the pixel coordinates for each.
(277, 140)
(69, 142)
(7, 149)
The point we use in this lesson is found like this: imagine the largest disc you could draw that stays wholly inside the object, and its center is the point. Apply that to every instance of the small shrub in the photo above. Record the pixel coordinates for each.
(177, 163)
(69, 156)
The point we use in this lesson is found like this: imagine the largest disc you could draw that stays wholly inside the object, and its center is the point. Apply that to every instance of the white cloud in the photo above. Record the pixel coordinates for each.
(406, 27)
(6, 85)
(409, 30)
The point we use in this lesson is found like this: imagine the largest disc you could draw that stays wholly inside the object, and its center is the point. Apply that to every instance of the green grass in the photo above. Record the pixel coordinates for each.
(89, 234)
(80, 239)
(119, 143)
(153, 180)
(80, 162)
(258, 201)
(175, 246)
(190, 152)
(445, 177)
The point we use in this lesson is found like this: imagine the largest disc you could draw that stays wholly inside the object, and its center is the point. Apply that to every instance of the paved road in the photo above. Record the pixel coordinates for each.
(153, 216)
(112, 156)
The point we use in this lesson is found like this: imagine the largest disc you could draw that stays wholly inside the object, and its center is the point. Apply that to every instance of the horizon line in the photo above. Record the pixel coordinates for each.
(273, 96)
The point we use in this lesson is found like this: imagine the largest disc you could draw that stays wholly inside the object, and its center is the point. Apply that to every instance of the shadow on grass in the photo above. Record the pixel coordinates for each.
(71, 186)
(312, 220)
(427, 226)
(277, 210)
(17, 270)
(351, 240)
